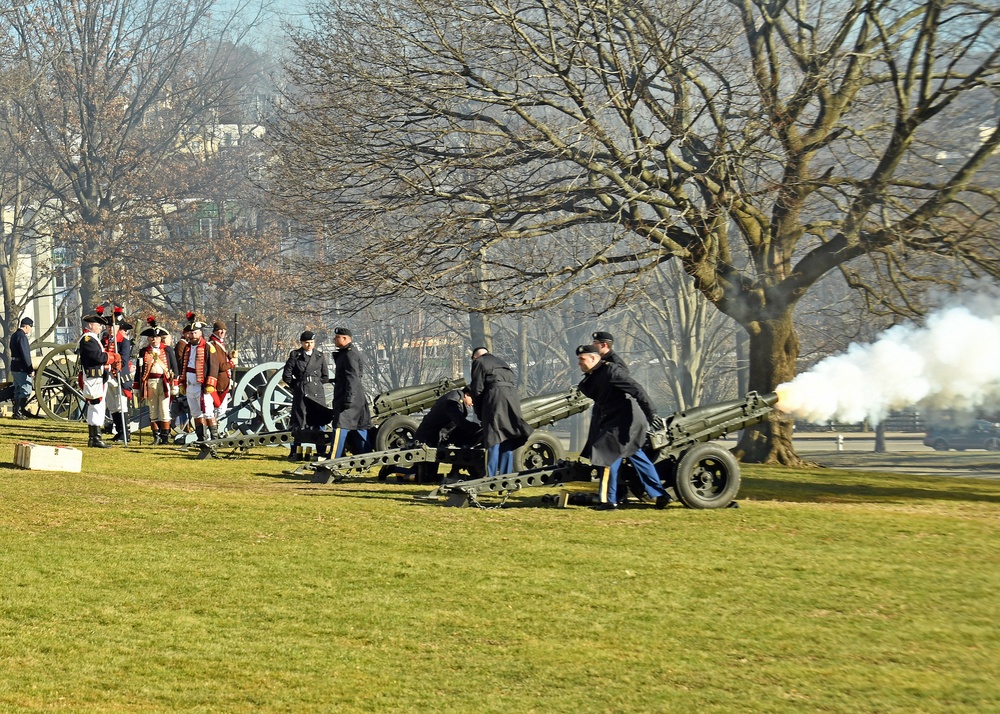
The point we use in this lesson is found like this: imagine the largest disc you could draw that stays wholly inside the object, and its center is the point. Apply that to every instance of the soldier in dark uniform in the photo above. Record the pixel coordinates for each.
(119, 391)
(448, 421)
(498, 406)
(622, 412)
(21, 368)
(603, 341)
(306, 374)
(350, 404)
(94, 373)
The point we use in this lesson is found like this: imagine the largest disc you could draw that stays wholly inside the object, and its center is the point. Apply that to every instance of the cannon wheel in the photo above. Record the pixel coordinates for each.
(247, 396)
(708, 476)
(395, 432)
(276, 406)
(56, 389)
(542, 449)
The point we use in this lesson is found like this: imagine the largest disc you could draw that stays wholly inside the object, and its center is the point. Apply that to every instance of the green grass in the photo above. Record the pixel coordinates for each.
(156, 583)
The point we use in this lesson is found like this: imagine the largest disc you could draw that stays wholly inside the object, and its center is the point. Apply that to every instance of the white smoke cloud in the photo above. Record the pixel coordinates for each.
(951, 361)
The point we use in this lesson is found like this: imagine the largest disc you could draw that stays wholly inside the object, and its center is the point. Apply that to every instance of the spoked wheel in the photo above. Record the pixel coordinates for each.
(246, 415)
(395, 433)
(708, 477)
(56, 388)
(276, 404)
(541, 451)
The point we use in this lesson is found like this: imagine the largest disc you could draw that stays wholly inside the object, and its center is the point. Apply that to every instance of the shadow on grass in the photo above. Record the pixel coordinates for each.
(805, 491)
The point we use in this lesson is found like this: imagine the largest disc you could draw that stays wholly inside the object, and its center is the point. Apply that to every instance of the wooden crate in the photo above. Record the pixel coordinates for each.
(39, 457)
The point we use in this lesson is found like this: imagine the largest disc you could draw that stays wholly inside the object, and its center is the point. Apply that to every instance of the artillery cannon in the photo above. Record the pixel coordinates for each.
(542, 448)
(698, 473)
(390, 411)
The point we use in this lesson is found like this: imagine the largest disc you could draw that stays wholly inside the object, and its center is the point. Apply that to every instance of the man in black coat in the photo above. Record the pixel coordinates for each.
(95, 364)
(306, 374)
(498, 406)
(448, 421)
(20, 366)
(350, 404)
(604, 342)
(623, 412)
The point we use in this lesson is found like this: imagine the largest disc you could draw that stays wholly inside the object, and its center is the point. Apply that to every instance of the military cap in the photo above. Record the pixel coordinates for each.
(307, 335)
(27, 321)
(342, 331)
(602, 336)
(587, 350)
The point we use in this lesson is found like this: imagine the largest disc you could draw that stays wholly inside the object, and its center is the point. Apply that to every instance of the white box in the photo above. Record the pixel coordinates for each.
(39, 457)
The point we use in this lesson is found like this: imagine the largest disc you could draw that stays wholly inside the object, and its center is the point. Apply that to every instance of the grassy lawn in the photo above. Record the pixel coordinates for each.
(154, 582)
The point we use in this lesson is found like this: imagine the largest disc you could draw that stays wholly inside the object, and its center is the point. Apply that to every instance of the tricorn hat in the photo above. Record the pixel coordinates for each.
(118, 318)
(194, 323)
(153, 329)
(97, 316)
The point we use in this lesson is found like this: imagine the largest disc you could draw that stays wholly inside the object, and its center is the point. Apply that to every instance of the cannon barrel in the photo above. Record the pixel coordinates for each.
(407, 400)
(710, 422)
(544, 409)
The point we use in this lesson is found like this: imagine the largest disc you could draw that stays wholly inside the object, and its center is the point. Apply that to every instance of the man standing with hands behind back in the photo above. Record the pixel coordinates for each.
(20, 366)
(350, 404)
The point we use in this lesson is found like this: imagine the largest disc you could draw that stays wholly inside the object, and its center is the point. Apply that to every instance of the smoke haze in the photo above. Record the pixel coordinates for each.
(951, 361)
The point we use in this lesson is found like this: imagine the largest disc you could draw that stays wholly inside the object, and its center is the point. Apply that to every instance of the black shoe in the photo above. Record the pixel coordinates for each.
(606, 507)
(662, 502)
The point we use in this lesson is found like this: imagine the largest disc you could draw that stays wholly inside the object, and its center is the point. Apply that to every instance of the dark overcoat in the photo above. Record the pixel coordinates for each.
(497, 403)
(448, 422)
(621, 415)
(306, 376)
(350, 405)
(20, 352)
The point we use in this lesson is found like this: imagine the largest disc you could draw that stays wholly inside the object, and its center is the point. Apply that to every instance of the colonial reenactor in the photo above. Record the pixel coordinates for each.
(604, 342)
(498, 406)
(184, 343)
(449, 421)
(21, 368)
(201, 378)
(227, 362)
(116, 341)
(622, 412)
(156, 369)
(350, 404)
(94, 373)
(306, 374)
(179, 407)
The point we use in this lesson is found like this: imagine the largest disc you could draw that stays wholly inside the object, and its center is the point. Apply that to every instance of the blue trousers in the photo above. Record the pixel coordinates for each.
(339, 440)
(22, 384)
(499, 460)
(608, 487)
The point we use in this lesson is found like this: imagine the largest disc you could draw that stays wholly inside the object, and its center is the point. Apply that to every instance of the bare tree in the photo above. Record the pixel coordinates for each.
(762, 144)
(120, 90)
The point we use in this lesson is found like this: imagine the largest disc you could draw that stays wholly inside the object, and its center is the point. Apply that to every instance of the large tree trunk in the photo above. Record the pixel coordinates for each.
(480, 331)
(90, 287)
(774, 351)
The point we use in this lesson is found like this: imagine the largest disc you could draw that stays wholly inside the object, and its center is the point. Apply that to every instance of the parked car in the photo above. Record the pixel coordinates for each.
(980, 434)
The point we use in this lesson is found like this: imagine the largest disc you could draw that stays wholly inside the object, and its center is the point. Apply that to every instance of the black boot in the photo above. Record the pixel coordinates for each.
(95, 438)
(19, 412)
(120, 426)
(213, 431)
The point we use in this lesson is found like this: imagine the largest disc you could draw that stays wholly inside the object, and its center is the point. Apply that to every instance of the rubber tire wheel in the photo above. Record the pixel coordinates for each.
(940, 445)
(395, 433)
(542, 450)
(708, 476)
